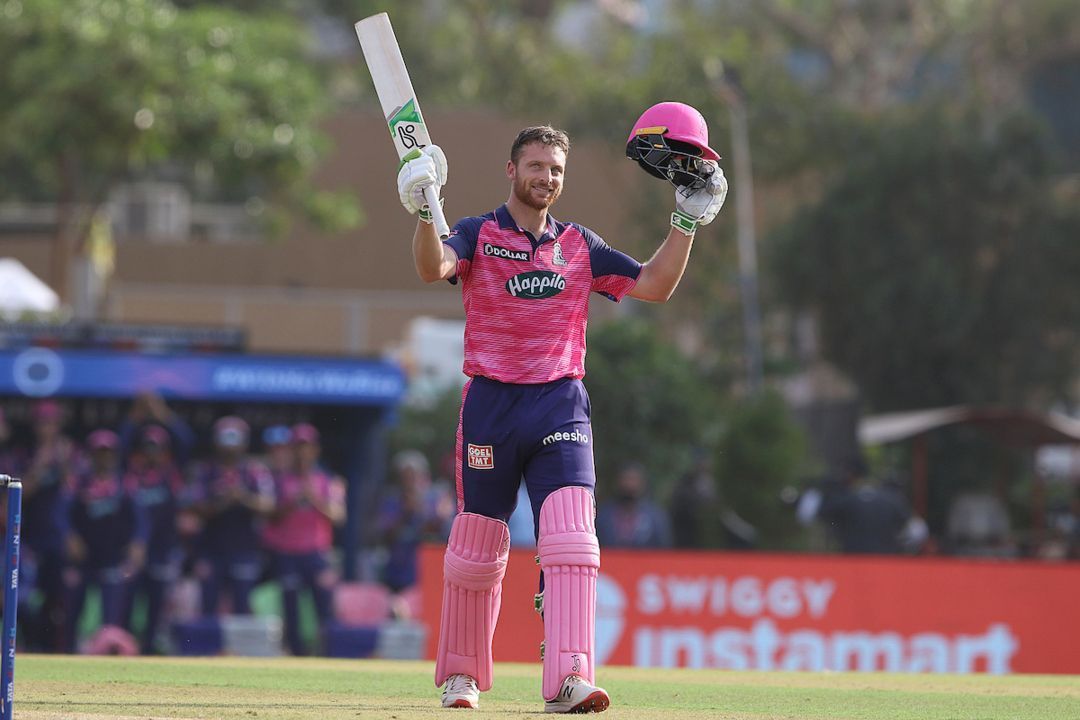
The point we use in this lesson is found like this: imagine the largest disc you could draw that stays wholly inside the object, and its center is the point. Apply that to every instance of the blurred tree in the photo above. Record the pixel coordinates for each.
(941, 266)
(650, 404)
(430, 428)
(101, 91)
(760, 454)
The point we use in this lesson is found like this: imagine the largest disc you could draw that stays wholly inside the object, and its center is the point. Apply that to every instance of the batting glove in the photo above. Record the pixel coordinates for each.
(699, 207)
(420, 169)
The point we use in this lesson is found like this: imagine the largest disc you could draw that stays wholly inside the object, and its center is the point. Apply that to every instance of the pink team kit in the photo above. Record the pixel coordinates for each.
(525, 415)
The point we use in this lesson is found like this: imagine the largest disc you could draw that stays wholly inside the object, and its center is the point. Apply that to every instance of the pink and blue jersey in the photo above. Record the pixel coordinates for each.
(231, 527)
(156, 490)
(299, 527)
(527, 299)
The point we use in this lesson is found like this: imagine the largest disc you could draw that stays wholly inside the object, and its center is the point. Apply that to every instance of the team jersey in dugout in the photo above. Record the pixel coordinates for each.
(527, 299)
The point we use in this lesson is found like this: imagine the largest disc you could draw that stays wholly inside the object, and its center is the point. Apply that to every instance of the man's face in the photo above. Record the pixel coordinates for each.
(307, 453)
(47, 428)
(537, 176)
(413, 481)
(103, 459)
(281, 456)
(154, 453)
(631, 484)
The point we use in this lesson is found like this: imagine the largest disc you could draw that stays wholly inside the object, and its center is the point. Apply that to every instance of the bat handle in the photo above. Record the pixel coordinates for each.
(432, 197)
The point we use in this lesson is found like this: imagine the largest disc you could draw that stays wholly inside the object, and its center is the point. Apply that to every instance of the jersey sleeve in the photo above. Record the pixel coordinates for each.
(462, 240)
(614, 273)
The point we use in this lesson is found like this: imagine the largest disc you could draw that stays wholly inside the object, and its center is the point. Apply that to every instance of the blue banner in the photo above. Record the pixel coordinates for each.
(43, 372)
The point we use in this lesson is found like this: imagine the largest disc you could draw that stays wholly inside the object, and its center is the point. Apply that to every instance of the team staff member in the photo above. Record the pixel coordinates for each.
(525, 280)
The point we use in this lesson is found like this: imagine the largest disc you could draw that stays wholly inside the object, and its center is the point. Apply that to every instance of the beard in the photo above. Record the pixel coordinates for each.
(524, 194)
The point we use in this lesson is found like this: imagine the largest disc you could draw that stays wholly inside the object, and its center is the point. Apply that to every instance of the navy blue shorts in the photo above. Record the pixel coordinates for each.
(539, 433)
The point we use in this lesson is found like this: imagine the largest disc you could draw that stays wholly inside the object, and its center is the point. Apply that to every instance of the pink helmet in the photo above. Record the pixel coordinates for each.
(676, 121)
(669, 141)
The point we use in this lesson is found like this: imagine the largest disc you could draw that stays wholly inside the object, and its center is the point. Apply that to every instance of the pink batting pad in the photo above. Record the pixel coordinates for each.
(473, 569)
(570, 558)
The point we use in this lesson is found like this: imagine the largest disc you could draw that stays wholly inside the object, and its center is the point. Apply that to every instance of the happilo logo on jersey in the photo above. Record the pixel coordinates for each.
(536, 285)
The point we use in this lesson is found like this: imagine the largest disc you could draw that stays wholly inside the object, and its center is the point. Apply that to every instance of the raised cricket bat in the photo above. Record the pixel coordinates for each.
(399, 103)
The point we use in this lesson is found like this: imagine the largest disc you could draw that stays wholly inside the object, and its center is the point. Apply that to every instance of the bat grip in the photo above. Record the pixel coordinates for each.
(432, 197)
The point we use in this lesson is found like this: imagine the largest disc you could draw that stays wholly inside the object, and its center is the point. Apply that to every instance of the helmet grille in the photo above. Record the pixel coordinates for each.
(676, 161)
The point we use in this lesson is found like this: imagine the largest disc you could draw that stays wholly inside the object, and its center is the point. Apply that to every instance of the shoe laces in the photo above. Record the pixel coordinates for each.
(461, 684)
(570, 685)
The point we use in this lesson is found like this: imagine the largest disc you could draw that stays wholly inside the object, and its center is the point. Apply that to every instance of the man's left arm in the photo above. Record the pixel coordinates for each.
(661, 274)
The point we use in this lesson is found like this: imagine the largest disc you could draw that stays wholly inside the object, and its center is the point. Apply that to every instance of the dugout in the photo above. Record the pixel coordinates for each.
(351, 401)
(1013, 428)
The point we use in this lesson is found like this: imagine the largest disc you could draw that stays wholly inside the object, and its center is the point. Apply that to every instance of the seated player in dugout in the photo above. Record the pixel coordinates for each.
(525, 413)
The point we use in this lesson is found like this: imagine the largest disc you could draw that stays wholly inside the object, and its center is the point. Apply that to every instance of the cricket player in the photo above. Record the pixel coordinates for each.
(155, 482)
(107, 534)
(52, 468)
(310, 503)
(525, 279)
(231, 494)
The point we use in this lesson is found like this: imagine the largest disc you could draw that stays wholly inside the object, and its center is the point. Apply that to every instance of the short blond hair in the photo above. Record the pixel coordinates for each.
(542, 134)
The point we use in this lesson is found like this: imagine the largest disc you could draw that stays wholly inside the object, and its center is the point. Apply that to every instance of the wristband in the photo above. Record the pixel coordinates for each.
(686, 224)
(424, 213)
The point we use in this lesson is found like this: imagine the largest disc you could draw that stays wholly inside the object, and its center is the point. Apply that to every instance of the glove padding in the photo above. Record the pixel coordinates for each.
(425, 167)
(704, 203)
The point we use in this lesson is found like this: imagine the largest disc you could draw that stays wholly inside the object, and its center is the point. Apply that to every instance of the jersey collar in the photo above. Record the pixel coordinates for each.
(506, 222)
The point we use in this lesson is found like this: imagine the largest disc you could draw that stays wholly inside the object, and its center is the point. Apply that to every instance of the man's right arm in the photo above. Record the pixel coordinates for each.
(422, 169)
(434, 259)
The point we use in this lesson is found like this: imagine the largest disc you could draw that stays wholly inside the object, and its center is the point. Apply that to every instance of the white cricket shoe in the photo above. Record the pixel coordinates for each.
(578, 696)
(460, 692)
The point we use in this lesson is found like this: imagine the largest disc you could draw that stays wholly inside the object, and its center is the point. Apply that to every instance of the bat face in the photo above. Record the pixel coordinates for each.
(396, 96)
(398, 100)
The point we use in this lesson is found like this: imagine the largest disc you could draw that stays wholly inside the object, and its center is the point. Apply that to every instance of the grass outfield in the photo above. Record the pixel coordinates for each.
(50, 686)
